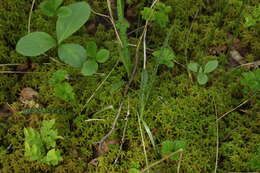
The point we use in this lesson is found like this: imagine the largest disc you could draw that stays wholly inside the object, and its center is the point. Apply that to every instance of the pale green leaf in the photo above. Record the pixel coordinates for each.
(193, 67)
(64, 12)
(90, 67)
(211, 66)
(64, 91)
(202, 78)
(66, 26)
(102, 55)
(72, 54)
(58, 77)
(35, 44)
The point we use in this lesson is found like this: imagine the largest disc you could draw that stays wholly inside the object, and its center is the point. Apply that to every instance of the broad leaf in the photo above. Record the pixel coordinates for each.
(66, 26)
(193, 67)
(169, 147)
(202, 78)
(165, 56)
(102, 55)
(90, 67)
(91, 49)
(53, 157)
(72, 54)
(211, 66)
(35, 44)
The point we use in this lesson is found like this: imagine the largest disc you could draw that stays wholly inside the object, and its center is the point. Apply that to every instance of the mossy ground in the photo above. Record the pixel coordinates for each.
(178, 108)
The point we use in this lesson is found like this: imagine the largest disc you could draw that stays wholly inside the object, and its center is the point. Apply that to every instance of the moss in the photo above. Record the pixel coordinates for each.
(178, 109)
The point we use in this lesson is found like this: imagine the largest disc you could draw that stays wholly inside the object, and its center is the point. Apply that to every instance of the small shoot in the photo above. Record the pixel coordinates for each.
(252, 18)
(159, 14)
(165, 56)
(202, 72)
(95, 56)
(169, 147)
(62, 89)
(40, 145)
(251, 80)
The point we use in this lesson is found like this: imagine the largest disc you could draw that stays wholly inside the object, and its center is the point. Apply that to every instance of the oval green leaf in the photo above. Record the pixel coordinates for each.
(91, 49)
(102, 55)
(35, 44)
(193, 67)
(90, 67)
(202, 78)
(66, 26)
(72, 54)
(211, 66)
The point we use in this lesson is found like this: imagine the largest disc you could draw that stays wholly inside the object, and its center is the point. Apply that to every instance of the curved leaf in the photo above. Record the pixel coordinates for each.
(90, 67)
(102, 55)
(35, 43)
(72, 54)
(66, 26)
(92, 49)
(211, 66)
(193, 67)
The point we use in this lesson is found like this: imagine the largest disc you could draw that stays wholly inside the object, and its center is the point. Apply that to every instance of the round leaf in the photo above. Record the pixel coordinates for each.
(193, 67)
(90, 67)
(202, 78)
(211, 66)
(35, 44)
(72, 54)
(66, 26)
(92, 49)
(102, 55)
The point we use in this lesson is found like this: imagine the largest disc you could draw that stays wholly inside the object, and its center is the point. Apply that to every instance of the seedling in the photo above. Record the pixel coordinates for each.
(253, 18)
(165, 56)
(70, 19)
(40, 145)
(202, 72)
(252, 80)
(62, 89)
(159, 14)
(95, 56)
(171, 146)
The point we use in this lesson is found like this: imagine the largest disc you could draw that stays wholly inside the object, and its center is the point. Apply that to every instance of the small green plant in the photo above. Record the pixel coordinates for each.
(202, 77)
(62, 89)
(70, 19)
(95, 56)
(40, 145)
(252, 80)
(165, 56)
(253, 18)
(169, 147)
(254, 163)
(159, 14)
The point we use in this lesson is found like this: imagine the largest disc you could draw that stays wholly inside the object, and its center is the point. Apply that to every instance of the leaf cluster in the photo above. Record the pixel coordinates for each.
(251, 80)
(40, 145)
(70, 19)
(165, 56)
(62, 89)
(159, 14)
(253, 17)
(201, 72)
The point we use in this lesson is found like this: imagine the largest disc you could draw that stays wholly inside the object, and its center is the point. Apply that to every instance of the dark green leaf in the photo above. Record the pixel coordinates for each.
(49, 7)
(92, 49)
